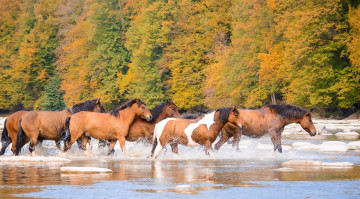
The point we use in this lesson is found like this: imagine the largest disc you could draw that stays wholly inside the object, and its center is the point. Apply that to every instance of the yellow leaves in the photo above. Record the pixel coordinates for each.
(354, 43)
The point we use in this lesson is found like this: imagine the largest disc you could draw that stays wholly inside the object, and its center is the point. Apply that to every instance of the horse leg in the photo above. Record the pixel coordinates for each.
(57, 143)
(111, 147)
(207, 147)
(33, 142)
(157, 146)
(225, 136)
(74, 136)
(84, 141)
(276, 140)
(174, 148)
(236, 140)
(122, 143)
(5, 144)
(103, 143)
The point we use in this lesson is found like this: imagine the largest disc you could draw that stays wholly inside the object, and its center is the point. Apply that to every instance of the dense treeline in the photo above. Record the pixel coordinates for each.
(196, 52)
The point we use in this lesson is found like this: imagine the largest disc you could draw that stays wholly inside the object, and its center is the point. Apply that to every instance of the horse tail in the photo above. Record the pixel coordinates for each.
(155, 140)
(67, 136)
(5, 135)
(20, 138)
(5, 139)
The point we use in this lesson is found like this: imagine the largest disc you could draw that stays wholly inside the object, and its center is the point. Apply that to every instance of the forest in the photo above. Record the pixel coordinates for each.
(198, 53)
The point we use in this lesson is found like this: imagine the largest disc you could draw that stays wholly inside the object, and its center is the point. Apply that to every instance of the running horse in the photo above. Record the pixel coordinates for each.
(36, 126)
(190, 132)
(104, 126)
(142, 129)
(10, 130)
(270, 119)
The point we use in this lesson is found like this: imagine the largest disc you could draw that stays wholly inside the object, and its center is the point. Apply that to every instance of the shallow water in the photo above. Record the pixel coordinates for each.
(251, 172)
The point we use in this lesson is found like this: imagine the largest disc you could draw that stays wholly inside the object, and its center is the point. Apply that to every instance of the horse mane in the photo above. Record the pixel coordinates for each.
(124, 106)
(224, 114)
(155, 112)
(87, 106)
(190, 116)
(287, 111)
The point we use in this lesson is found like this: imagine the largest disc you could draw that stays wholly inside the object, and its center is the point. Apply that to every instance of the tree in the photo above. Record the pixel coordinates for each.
(53, 99)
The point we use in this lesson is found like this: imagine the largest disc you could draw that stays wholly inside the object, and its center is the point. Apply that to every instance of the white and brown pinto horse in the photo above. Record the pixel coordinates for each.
(190, 132)
(270, 119)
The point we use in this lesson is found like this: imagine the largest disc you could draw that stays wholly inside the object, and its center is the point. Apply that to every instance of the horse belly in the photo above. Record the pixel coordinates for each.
(188, 132)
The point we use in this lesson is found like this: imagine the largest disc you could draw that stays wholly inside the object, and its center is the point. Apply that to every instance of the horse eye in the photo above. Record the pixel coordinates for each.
(142, 107)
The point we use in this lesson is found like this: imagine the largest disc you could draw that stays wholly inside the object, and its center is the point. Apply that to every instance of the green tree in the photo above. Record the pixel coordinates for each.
(53, 99)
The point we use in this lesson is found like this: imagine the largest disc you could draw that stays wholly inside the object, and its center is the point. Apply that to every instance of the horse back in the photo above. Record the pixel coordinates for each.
(258, 122)
(12, 123)
(49, 124)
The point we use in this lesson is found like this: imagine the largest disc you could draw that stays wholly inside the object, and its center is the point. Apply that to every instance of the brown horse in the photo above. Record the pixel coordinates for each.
(111, 127)
(269, 119)
(49, 125)
(10, 130)
(142, 129)
(191, 133)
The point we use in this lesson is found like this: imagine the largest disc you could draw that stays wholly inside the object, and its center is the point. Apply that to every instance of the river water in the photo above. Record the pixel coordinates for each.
(252, 172)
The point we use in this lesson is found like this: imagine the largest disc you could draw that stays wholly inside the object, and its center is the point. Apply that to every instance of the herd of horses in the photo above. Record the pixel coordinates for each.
(159, 126)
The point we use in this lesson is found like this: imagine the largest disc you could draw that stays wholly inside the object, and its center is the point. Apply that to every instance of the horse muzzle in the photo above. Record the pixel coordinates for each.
(240, 127)
(149, 118)
(312, 133)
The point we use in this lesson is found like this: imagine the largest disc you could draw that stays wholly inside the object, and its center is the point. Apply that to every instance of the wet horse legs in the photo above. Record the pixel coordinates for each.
(111, 146)
(225, 136)
(174, 148)
(276, 140)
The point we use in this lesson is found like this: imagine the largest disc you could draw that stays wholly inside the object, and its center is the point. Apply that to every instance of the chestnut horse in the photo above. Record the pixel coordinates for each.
(190, 132)
(142, 129)
(270, 119)
(10, 130)
(48, 125)
(102, 126)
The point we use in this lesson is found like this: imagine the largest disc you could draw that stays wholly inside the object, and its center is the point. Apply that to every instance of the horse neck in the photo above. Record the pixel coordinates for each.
(127, 116)
(217, 125)
(161, 116)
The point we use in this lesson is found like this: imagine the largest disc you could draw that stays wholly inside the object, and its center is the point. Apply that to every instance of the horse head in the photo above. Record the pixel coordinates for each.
(141, 110)
(171, 110)
(235, 117)
(98, 107)
(307, 124)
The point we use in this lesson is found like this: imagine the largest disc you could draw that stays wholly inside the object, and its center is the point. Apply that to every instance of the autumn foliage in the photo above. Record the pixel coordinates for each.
(198, 53)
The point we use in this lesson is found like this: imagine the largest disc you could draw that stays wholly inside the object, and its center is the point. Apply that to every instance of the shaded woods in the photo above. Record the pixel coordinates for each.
(198, 53)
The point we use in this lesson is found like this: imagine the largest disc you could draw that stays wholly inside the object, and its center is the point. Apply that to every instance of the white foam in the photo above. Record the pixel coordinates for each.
(10, 159)
(312, 163)
(84, 170)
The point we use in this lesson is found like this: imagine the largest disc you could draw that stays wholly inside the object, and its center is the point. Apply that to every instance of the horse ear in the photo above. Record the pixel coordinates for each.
(98, 101)
(233, 108)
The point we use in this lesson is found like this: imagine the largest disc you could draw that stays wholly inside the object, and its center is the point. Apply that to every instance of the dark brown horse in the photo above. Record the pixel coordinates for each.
(111, 127)
(49, 125)
(191, 133)
(270, 119)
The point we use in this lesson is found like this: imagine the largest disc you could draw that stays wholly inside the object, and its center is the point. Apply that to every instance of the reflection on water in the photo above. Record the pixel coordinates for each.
(163, 176)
